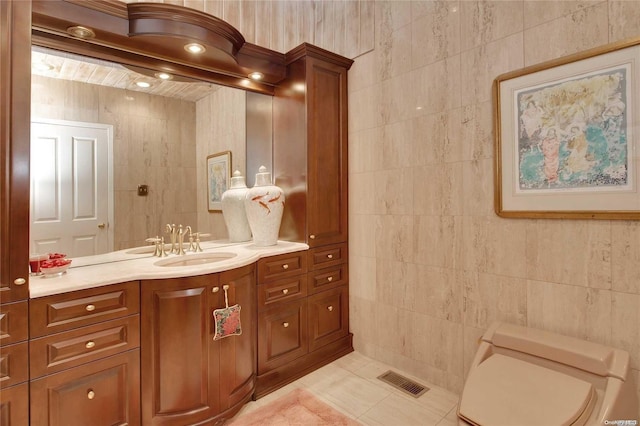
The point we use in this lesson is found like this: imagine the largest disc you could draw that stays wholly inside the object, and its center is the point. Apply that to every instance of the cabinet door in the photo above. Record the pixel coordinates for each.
(104, 392)
(180, 374)
(326, 153)
(328, 317)
(15, 40)
(237, 352)
(282, 335)
(14, 406)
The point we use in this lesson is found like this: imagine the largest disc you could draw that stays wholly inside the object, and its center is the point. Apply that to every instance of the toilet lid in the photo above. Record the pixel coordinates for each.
(507, 391)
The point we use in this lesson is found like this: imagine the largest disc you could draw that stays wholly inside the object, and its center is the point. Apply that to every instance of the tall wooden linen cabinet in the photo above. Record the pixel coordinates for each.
(303, 304)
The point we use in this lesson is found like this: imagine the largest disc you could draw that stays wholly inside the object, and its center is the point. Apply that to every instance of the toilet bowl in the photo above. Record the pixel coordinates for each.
(527, 377)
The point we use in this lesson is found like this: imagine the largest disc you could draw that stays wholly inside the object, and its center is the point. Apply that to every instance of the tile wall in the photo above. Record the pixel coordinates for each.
(430, 261)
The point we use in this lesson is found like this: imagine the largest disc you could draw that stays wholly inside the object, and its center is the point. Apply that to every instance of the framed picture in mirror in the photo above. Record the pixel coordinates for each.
(218, 178)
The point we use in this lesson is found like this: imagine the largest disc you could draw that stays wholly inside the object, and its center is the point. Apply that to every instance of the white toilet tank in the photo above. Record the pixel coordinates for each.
(527, 377)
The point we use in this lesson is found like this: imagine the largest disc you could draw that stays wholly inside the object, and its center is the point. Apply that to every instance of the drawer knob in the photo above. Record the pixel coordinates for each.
(329, 256)
(285, 324)
(90, 308)
(285, 291)
(329, 279)
(285, 266)
(313, 237)
(330, 308)
(90, 344)
(91, 394)
(215, 289)
(19, 281)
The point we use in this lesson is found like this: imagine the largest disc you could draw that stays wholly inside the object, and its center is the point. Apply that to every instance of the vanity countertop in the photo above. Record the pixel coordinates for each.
(128, 265)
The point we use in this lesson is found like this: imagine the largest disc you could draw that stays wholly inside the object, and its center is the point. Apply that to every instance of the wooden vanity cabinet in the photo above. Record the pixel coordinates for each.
(84, 357)
(187, 377)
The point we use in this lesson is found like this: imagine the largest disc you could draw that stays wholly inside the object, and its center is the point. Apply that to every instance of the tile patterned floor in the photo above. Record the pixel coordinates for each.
(350, 385)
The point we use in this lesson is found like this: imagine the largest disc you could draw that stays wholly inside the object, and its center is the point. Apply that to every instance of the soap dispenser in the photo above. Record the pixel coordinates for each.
(233, 210)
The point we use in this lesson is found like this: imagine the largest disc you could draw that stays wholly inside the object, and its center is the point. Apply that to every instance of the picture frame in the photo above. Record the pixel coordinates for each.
(567, 137)
(218, 179)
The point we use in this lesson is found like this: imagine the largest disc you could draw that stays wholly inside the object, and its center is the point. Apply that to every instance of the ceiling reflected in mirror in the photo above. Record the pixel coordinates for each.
(68, 66)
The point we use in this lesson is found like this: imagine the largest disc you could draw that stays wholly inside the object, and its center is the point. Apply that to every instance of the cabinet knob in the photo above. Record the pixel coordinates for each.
(215, 289)
(329, 279)
(285, 291)
(90, 308)
(19, 281)
(285, 266)
(285, 324)
(91, 394)
(102, 225)
(225, 287)
(313, 237)
(329, 256)
(330, 308)
(90, 344)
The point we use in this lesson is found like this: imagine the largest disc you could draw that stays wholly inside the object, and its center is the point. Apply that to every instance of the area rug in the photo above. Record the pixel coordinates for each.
(297, 408)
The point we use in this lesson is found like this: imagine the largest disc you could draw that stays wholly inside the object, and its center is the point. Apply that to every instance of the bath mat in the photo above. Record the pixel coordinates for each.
(297, 408)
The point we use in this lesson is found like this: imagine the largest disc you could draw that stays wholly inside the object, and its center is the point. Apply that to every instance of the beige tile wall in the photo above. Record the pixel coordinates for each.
(429, 258)
(154, 144)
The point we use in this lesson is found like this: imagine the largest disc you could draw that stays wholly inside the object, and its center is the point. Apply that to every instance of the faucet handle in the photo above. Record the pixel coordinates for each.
(153, 240)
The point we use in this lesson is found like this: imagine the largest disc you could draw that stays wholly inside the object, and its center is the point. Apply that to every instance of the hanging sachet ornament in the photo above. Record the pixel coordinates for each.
(227, 319)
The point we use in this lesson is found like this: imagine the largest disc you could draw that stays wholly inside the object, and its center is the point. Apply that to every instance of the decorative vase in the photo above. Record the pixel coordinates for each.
(233, 211)
(264, 204)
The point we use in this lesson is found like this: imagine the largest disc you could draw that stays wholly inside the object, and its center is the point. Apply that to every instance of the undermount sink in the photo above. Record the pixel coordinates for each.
(195, 259)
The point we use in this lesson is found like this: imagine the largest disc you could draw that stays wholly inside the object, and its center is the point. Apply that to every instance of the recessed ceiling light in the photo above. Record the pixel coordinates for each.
(81, 32)
(163, 76)
(41, 66)
(195, 48)
(143, 84)
(256, 75)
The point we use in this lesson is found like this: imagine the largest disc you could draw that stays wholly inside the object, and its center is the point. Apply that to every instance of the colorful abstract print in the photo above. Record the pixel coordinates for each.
(573, 135)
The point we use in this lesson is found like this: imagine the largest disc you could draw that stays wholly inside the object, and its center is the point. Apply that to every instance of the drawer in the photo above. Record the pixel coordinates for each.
(325, 279)
(282, 266)
(328, 317)
(101, 393)
(14, 323)
(14, 364)
(327, 256)
(60, 351)
(283, 290)
(61, 312)
(282, 335)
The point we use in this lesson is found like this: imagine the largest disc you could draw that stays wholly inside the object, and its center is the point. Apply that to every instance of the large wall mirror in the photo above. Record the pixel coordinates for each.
(118, 152)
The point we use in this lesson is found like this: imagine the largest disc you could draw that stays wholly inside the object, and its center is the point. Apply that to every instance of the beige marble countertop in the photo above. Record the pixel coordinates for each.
(129, 264)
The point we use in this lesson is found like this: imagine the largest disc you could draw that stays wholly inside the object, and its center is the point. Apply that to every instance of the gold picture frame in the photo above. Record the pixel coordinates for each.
(567, 138)
(218, 179)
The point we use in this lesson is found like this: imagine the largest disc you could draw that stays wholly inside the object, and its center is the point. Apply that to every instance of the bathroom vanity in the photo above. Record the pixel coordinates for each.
(128, 341)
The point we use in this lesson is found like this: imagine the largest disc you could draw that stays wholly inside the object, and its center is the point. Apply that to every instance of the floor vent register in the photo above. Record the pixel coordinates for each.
(400, 382)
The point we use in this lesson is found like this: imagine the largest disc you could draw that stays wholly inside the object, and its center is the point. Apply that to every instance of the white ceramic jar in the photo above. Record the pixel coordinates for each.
(233, 211)
(264, 204)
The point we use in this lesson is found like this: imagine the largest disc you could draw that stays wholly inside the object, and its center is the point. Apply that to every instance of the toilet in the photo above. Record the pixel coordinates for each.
(527, 377)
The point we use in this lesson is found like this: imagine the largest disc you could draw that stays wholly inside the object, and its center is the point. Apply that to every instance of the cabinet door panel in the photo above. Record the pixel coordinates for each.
(14, 364)
(104, 392)
(328, 278)
(282, 266)
(281, 291)
(180, 375)
(328, 317)
(282, 335)
(14, 406)
(14, 321)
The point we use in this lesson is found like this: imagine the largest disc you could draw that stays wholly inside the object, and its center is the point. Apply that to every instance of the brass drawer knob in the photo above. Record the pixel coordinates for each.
(91, 394)
(90, 308)
(313, 237)
(285, 325)
(285, 266)
(19, 281)
(330, 256)
(285, 291)
(330, 308)
(90, 344)
(329, 279)
(215, 289)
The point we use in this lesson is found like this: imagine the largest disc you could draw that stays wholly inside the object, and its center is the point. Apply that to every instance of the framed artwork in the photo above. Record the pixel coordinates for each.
(567, 137)
(218, 178)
